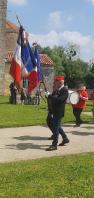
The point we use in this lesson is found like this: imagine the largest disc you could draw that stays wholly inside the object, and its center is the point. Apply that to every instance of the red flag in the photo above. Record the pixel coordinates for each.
(16, 65)
(33, 80)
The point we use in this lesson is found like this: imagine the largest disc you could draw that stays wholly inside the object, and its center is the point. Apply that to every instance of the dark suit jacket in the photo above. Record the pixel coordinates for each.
(57, 102)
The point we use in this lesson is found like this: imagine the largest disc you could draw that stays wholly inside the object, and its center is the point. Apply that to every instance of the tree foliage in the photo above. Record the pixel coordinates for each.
(75, 70)
(89, 78)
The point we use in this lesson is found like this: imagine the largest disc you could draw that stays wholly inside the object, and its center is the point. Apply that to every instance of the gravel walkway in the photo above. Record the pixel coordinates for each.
(25, 143)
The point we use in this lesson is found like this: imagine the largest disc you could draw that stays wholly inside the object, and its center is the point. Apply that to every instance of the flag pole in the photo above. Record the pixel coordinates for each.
(45, 88)
(19, 41)
(44, 85)
(18, 20)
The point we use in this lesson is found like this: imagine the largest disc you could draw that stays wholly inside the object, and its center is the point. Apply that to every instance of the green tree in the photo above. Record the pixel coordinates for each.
(72, 50)
(89, 78)
(57, 55)
(75, 72)
(46, 50)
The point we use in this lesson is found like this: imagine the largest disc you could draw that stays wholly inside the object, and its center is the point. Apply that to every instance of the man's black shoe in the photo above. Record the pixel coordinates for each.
(51, 148)
(80, 122)
(77, 125)
(65, 141)
(50, 138)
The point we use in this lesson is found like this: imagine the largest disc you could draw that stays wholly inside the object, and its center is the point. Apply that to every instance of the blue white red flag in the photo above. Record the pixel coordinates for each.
(23, 61)
(39, 66)
(16, 65)
(27, 56)
(36, 75)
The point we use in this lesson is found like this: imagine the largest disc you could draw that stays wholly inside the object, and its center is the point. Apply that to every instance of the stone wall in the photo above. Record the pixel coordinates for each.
(48, 72)
(3, 8)
(8, 79)
(11, 39)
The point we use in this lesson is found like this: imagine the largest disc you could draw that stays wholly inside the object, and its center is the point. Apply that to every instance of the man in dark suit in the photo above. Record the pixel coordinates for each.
(56, 109)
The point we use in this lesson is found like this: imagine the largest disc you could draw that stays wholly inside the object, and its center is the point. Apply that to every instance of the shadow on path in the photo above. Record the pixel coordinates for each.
(81, 133)
(88, 127)
(25, 146)
(27, 137)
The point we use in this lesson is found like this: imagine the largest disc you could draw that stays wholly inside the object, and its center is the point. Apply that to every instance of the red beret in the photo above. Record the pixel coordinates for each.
(59, 78)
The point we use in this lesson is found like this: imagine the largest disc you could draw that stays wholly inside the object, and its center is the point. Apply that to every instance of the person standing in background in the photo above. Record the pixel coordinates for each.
(13, 93)
(78, 108)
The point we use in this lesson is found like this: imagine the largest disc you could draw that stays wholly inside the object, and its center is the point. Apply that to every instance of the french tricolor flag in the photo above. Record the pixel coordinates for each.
(23, 61)
(16, 65)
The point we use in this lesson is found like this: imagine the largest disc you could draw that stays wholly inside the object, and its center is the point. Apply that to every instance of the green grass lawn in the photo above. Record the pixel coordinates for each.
(70, 176)
(29, 115)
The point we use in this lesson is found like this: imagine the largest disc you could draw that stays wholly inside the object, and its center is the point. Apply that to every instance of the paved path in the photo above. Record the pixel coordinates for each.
(30, 142)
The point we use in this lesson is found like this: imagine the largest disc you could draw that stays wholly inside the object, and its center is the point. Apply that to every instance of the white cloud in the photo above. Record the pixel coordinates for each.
(58, 20)
(55, 20)
(53, 38)
(69, 18)
(18, 2)
(76, 37)
(50, 39)
(91, 1)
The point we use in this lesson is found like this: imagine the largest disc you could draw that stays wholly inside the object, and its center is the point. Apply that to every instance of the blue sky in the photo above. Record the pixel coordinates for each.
(57, 22)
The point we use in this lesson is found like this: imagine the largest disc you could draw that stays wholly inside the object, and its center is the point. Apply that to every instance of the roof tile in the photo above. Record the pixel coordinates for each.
(11, 26)
(44, 59)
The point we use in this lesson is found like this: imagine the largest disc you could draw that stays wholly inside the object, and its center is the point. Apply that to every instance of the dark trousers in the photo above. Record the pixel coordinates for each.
(13, 98)
(77, 114)
(54, 123)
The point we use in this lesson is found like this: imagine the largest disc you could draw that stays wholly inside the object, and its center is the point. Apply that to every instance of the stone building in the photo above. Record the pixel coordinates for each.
(11, 38)
(10, 42)
(3, 8)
